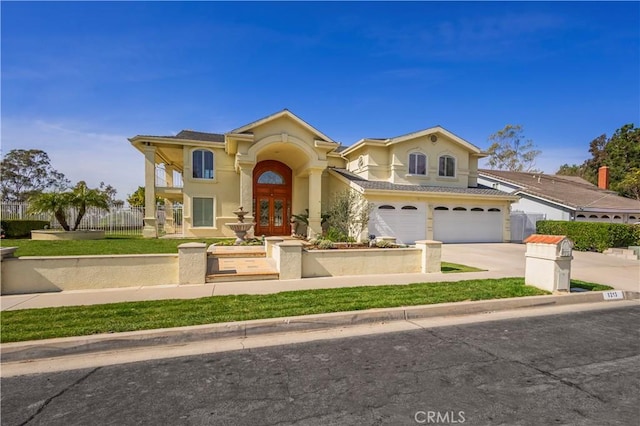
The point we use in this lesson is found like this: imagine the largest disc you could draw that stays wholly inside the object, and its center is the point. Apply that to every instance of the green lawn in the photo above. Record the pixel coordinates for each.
(33, 324)
(110, 245)
(448, 268)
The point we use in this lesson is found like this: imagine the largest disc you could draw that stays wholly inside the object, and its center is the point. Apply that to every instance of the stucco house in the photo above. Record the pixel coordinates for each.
(423, 185)
(557, 197)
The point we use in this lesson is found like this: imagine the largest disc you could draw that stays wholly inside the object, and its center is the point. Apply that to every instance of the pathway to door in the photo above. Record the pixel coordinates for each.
(272, 198)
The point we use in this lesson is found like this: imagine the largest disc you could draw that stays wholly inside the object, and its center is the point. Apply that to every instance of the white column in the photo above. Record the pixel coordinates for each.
(169, 225)
(315, 203)
(246, 189)
(150, 229)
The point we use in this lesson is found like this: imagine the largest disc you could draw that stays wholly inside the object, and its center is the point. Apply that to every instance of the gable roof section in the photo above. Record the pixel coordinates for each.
(284, 113)
(568, 191)
(189, 135)
(388, 186)
(413, 135)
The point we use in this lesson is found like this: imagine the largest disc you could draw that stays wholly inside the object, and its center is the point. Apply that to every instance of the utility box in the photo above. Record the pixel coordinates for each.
(548, 262)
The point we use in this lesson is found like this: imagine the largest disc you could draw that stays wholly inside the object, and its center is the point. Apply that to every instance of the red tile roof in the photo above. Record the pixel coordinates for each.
(545, 239)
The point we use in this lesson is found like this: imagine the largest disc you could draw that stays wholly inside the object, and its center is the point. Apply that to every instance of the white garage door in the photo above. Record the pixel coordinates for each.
(467, 224)
(405, 221)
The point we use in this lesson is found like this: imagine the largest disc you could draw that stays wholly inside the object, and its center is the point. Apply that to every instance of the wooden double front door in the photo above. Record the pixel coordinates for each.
(272, 198)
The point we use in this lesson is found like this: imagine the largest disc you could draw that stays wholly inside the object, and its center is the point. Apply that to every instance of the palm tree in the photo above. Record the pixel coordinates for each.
(59, 203)
(52, 202)
(83, 197)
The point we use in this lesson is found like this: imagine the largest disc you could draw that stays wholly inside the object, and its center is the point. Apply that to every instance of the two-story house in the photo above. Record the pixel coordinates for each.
(423, 185)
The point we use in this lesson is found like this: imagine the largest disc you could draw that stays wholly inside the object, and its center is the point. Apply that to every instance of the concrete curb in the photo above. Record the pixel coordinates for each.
(49, 348)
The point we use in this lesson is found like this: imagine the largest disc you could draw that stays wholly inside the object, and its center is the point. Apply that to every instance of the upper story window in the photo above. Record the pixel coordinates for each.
(446, 166)
(417, 164)
(202, 164)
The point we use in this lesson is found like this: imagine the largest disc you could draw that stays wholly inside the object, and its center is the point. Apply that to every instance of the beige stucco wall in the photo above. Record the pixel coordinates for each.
(47, 274)
(390, 163)
(324, 263)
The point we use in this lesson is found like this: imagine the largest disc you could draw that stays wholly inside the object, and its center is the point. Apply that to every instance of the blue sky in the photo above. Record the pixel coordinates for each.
(79, 78)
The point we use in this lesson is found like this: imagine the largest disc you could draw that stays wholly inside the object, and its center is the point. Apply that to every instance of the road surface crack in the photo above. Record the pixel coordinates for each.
(62, 392)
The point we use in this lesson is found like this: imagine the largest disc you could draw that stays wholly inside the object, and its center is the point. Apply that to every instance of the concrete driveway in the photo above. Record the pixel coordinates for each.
(622, 274)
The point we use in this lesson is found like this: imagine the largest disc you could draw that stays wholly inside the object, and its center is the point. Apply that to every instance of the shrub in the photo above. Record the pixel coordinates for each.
(592, 236)
(325, 244)
(384, 244)
(336, 235)
(22, 228)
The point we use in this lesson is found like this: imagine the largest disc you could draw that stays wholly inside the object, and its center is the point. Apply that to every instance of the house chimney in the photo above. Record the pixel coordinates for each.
(603, 177)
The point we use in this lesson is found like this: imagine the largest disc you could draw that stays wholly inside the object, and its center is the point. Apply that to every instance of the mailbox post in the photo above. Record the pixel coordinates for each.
(548, 262)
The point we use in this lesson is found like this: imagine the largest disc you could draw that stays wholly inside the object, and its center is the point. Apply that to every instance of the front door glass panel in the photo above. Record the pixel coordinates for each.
(278, 210)
(264, 212)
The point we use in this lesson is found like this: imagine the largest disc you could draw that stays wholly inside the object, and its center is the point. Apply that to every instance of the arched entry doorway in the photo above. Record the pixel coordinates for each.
(272, 198)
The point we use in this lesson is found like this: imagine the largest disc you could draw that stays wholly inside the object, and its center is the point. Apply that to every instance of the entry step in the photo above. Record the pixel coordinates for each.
(236, 251)
(240, 269)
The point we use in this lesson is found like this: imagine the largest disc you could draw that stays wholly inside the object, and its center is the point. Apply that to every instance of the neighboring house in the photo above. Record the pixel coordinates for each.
(423, 185)
(564, 197)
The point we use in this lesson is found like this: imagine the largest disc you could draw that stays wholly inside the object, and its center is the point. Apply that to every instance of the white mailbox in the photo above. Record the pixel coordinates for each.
(548, 262)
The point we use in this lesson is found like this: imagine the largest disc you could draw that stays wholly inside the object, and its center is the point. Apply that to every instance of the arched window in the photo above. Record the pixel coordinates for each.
(632, 217)
(580, 216)
(459, 209)
(441, 208)
(202, 164)
(593, 216)
(605, 216)
(386, 207)
(417, 164)
(617, 217)
(271, 178)
(446, 166)
(493, 210)
(409, 208)
(477, 209)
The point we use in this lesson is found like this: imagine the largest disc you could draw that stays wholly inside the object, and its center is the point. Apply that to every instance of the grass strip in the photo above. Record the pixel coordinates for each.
(34, 324)
(589, 286)
(110, 245)
(449, 268)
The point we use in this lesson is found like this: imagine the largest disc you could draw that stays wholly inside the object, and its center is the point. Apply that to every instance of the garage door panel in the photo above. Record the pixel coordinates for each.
(451, 226)
(406, 225)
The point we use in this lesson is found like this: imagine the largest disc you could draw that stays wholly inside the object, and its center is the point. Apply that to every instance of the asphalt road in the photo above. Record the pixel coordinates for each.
(577, 369)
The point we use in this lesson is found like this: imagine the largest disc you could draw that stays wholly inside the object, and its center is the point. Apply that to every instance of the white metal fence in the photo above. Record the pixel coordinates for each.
(116, 220)
(524, 224)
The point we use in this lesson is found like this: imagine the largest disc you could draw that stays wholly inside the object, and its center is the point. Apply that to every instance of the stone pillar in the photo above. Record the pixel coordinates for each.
(169, 225)
(315, 203)
(270, 242)
(192, 263)
(288, 257)
(431, 255)
(548, 262)
(150, 221)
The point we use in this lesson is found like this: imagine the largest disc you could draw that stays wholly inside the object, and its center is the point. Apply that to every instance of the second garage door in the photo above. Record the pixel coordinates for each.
(467, 224)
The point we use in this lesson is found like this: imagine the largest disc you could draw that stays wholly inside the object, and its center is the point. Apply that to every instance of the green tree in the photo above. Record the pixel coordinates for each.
(349, 214)
(571, 170)
(137, 198)
(58, 203)
(620, 152)
(630, 185)
(25, 172)
(510, 150)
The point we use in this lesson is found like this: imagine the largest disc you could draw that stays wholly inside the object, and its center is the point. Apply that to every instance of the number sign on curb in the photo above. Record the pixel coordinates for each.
(613, 295)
